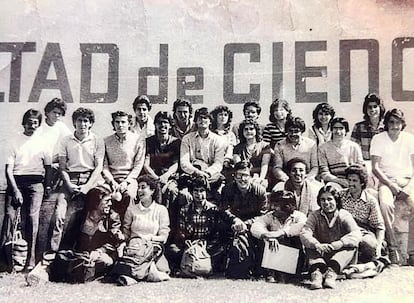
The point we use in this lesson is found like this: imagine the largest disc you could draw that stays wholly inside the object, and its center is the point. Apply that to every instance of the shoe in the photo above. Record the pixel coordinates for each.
(330, 278)
(270, 279)
(394, 257)
(316, 279)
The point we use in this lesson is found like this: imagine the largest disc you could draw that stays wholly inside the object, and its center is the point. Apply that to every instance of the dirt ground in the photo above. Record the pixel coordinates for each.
(393, 285)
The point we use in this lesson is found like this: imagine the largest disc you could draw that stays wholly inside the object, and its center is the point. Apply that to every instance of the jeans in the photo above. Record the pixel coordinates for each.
(30, 209)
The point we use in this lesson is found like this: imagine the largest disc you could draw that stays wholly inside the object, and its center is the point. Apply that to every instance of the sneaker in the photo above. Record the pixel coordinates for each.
(316, 279)
(330, 278)
(270, 279)
(394, 257)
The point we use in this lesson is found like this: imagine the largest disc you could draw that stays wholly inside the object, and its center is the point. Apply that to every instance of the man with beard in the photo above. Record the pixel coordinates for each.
(295, 145)
(305, 190)
(365, 210)
(123, 162)
(243, 201)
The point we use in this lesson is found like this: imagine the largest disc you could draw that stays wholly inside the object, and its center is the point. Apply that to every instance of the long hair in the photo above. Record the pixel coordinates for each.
(243, 124)
(333, 191)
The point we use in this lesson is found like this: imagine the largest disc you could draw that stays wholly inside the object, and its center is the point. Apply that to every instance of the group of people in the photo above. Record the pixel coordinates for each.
(241, 188)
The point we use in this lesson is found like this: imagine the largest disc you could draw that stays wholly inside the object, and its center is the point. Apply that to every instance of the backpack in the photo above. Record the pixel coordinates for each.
(138, 256)
(72, 267)
(196, 261)
(240, 259)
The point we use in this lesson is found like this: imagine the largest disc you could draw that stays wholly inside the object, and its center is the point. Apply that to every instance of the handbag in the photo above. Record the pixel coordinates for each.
(196, 261)
(16, 247)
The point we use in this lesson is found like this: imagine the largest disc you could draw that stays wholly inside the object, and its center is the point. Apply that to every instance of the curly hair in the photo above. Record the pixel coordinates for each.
(56, 103)
(295, 122)
(333, 191)
(154, 185)
(360, 171)
(256, 125)
(214, 114)
(83, 112)
(325, 108)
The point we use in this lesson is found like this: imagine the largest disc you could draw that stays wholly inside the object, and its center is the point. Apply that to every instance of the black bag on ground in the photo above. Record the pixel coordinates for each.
(240, 259)
(71, 267)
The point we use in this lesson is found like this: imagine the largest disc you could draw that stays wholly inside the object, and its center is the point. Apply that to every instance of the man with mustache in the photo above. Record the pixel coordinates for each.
(295, 145)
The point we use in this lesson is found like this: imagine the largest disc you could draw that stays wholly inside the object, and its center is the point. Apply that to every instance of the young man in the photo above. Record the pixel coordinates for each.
(143, 124)
(80, 163)
(251, 111)
(26, 168)
(123, 162)
(392, 156)
(336, 155)
(183, 111)
(305, 190)
(162, 150)
(295, 145)
(365, 210)
(202, 151)
(197, 219)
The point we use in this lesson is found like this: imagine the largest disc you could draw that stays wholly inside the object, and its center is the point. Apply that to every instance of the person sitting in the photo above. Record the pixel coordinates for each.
(320, 131)
(251, 148)
(282, 224)
(243, 200)
(95, 230)
(331, 237)
(275, 131)
(392, 156)
(143, 125)
(295, 145)
(146, 218)
(198, 219)
(182, 114)
(363, 132)
(336, 155)
(365, 209)
(251, 111)
(123, 162)
(305, 190)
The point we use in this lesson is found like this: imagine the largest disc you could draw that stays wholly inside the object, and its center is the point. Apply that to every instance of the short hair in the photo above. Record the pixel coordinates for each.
(283, 198)
(153, 184)
(216, 111)
(56, 103)
(142, 99)
(202, 112)
(254, 104)
(372, 98)
(199, 181)
(324, 107)
(396, 113)
(117, 114)
(242, 165)
(256, 125)
(361, 171)
(295, 122)
(163, 116)
(94, 197)
(295, 160)
(340, 120)
(183, 102)
(333, 191)
(277, 103)
(84, 113)
(31, 113)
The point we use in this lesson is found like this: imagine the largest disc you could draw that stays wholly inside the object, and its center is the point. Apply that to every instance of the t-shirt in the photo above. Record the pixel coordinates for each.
(49, 137)
(395, 156)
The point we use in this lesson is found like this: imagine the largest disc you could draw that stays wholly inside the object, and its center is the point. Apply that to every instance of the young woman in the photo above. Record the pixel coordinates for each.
(322, 116)
(275, 130)
(252, 148)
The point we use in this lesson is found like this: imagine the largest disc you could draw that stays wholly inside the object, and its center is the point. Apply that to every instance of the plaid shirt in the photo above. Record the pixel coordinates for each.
(198, 223)
(365, 210)
(362, 134)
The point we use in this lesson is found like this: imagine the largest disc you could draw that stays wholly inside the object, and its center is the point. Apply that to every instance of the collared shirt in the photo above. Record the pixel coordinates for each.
(198, 223)
(207, 152)
(306, 149)
(178, 133)
(82, 155)
(363, 133)
(124, 159)
(146, 131)
(364, 209)
(319, 135)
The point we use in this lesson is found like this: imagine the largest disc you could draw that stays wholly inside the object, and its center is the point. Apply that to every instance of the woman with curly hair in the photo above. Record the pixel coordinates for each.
(322, 116)
(275, 131)
(252, 148)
